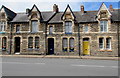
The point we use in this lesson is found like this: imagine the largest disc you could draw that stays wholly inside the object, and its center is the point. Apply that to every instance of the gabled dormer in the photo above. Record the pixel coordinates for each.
(6, 13)
(104, 19)
(68, 19)
(103, 13)
(35, 19)
(34, 13)
(68, 14)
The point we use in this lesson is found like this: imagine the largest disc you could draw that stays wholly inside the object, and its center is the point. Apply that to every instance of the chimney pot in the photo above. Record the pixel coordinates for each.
(110, 8)
(82, 8)
(27, 11)
(55, 8)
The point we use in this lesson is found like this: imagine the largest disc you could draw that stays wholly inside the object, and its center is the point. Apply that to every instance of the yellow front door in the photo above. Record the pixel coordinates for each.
(86, 48)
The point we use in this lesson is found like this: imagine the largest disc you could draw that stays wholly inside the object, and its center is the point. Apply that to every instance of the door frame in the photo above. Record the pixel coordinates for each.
(48, 45)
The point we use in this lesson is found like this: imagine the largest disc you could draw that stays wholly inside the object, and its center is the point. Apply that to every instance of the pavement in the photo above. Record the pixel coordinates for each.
(60, 56)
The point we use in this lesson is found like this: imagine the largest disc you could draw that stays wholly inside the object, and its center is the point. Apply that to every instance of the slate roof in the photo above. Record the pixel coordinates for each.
(10, 14)
(52, 17)
(47, 15)
(23, 17)
(116, 15)
(88, 16)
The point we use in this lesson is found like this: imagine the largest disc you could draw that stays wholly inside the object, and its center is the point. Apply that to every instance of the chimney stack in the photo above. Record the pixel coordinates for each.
(82, 9)
(27, 11)
(55, 8)
(111, 8)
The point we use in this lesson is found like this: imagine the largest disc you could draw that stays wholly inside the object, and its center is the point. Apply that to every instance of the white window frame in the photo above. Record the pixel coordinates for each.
(35, 29)
(68, 28)
(2, 26)
(105, 26)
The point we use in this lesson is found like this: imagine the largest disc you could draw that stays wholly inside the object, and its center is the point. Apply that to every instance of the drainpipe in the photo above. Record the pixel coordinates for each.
(45, 38)
(118, 32)
(118, 40)
(79, 39)
(10, 38)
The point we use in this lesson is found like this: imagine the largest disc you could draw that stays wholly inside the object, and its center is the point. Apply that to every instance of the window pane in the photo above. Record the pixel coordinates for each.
(71, 43)
(34, 26)
(68, 27)
(65, 44)
(4, 41)
(105, 26)
(37, 42)
(2, 26)
(30, 42)
(18, 28)
(85, 28)
(108, 43)
(101, 46)
(50, 29)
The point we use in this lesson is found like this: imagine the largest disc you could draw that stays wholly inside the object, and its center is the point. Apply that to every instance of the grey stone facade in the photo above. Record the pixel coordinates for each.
(56, 20)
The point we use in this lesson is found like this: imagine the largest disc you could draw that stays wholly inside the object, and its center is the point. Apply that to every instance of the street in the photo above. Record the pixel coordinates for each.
(13, 66)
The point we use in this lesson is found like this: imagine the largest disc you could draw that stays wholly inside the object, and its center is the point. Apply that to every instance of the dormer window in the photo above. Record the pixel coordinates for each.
(68, 27)
(103, 26)
(2, 26)
(34, 26)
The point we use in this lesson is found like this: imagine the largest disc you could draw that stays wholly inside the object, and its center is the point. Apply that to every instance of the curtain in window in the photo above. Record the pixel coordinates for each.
(68, 27)
(101, 43)
(30, 42)
(108, 43)
(34, 26)
(71, 44)
(103, 26)
(65, 44)
(4, 43)
(36, 42)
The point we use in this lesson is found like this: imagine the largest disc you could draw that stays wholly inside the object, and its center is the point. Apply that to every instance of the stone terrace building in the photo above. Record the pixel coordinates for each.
(93, 33)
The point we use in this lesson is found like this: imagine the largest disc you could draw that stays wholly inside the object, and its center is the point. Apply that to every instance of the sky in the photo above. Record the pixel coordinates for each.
(47, 5)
